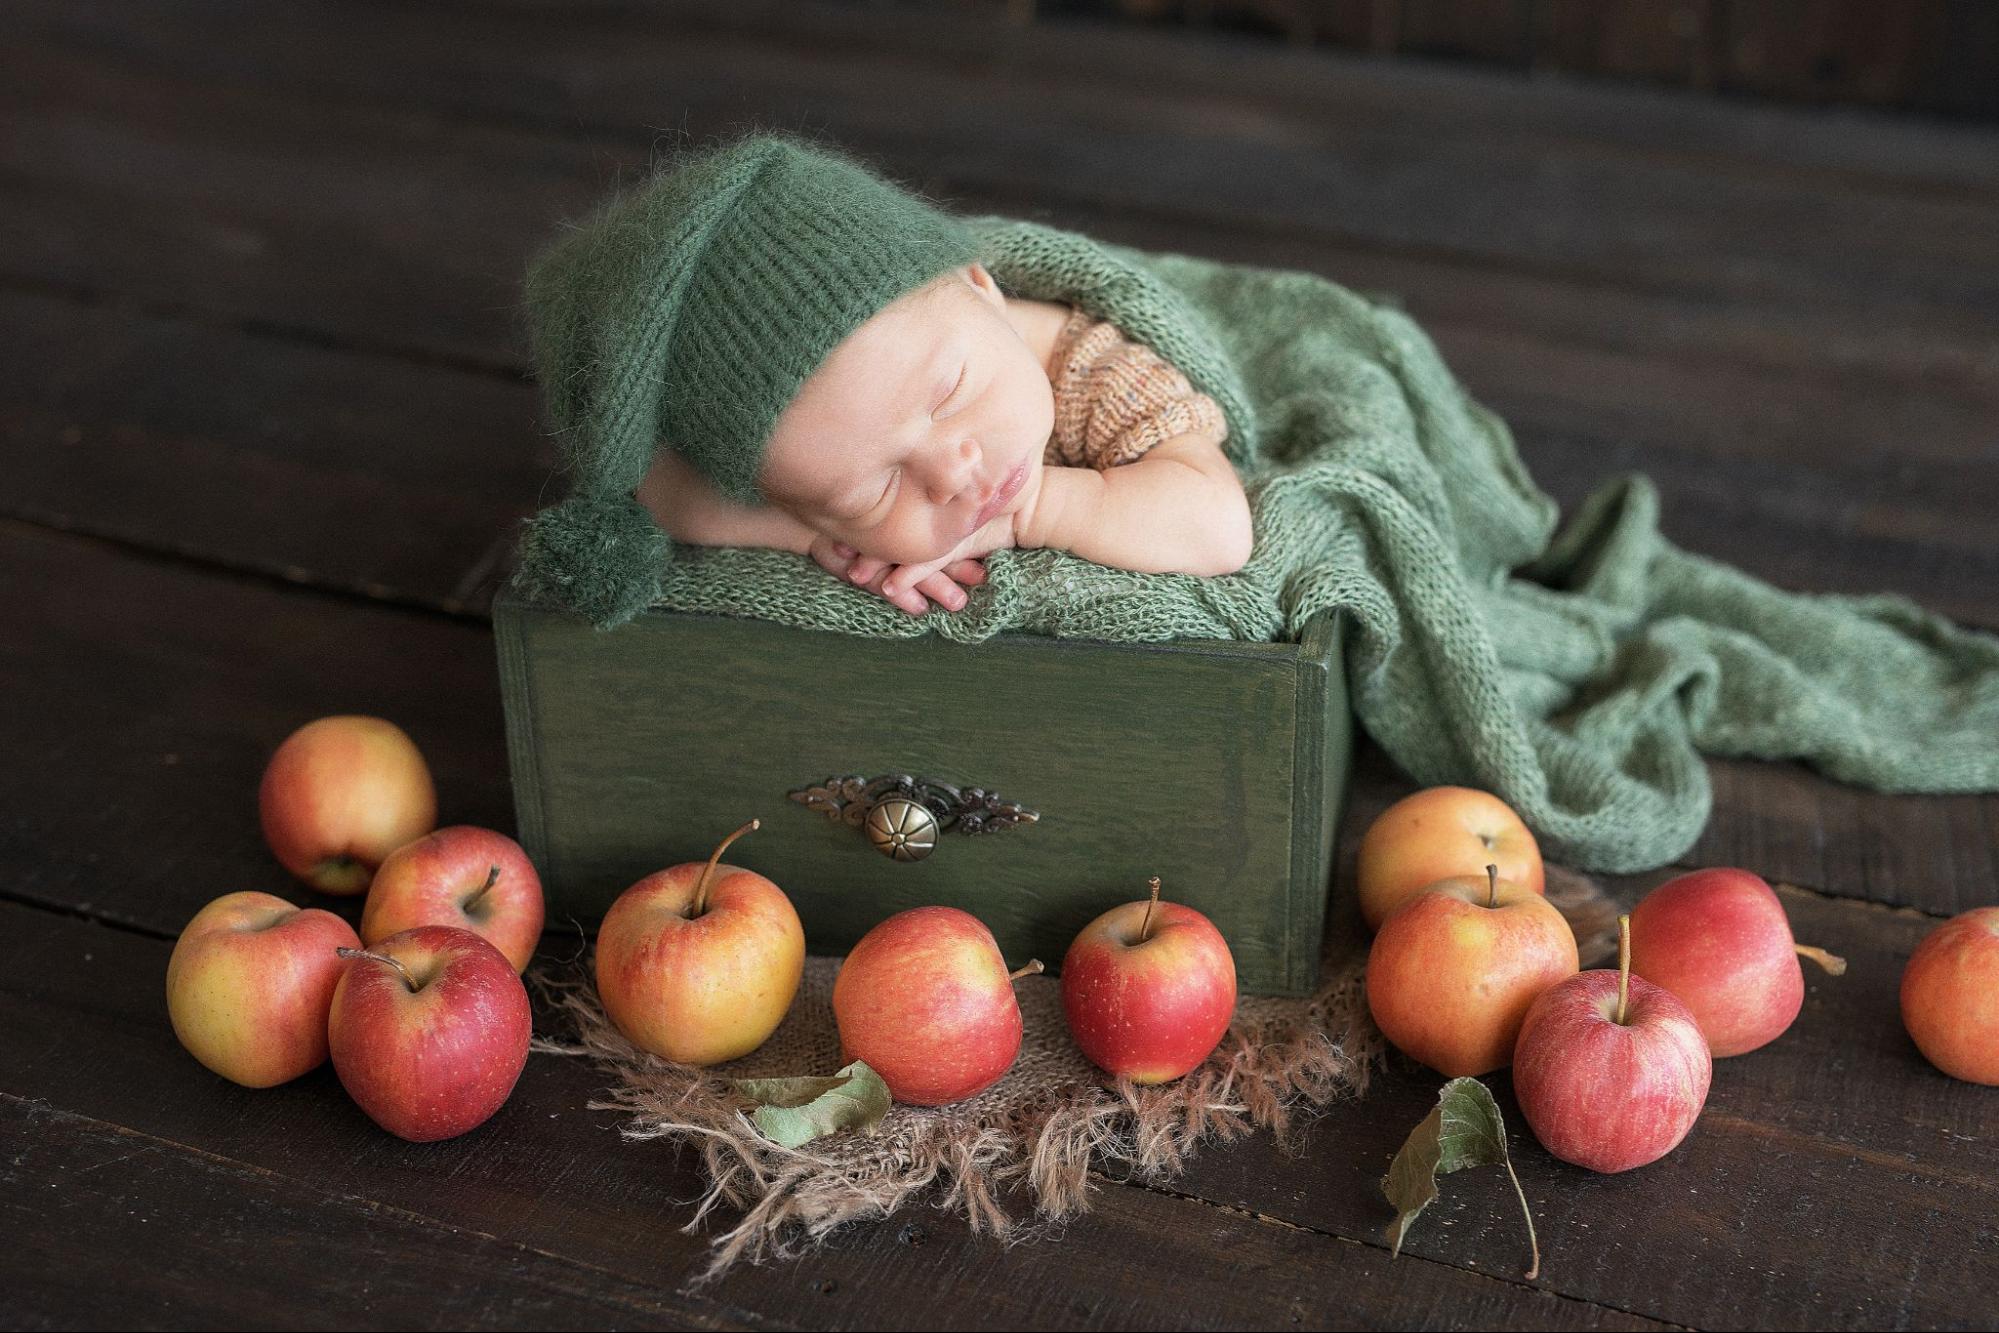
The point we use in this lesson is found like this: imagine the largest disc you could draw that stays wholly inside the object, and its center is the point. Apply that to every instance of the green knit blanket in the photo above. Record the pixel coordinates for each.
(1578, 674)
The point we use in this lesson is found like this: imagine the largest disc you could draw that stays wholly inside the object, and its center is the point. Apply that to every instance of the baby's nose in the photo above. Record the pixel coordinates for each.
(963, 476)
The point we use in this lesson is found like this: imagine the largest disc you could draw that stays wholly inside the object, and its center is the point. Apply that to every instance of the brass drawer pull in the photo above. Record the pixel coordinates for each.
(903, 815)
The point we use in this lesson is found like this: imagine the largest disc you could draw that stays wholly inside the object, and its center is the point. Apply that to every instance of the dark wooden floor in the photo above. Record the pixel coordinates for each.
(266, 428)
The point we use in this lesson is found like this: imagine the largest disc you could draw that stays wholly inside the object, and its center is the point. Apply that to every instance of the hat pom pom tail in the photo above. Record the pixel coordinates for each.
(598, 555)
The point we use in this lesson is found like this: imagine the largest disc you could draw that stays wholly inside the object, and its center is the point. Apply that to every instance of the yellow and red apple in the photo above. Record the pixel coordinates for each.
(429, 1031)
(249, 985)
(1442, 833)
(1453, 970)
(1950, 996)
(926, 1000)
(699, 963)
(1149, 989)
(339, 795)
(472, 878)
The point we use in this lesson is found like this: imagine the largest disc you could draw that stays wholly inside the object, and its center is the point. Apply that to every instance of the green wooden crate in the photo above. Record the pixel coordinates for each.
(1219, 766)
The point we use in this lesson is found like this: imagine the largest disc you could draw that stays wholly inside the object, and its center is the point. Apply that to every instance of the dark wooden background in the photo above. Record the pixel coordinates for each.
(1931, 55)
(266, 431)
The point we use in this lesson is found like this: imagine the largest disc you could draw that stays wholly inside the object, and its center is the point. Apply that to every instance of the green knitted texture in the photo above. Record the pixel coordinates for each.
(1579, 674)
(686, 314)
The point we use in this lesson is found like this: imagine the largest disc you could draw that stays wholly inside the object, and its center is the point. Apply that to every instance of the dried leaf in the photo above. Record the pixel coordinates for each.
(794, 1111)
(1464, 1130)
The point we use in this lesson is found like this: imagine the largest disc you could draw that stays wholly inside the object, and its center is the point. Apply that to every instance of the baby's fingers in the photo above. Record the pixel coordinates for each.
(865, 569)
(969, 572)
(909, 600)
(940, 587)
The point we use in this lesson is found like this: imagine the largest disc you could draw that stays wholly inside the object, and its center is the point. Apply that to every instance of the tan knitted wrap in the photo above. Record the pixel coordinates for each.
(1115, 399)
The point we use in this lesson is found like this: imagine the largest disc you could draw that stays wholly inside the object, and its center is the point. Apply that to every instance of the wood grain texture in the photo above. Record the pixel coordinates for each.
(1498, 32)
(1874, 52)
(982, 42)
(333, 467)
(1672, 198)
(145, 698)
(1209, 763)
(1956, 67)
(113, 1228)
(1828, 50)
(1634, 39)
(545, 1195)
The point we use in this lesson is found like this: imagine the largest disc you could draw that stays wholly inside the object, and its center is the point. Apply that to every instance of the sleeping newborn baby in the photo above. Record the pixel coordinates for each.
(960, 420)
(769, 345)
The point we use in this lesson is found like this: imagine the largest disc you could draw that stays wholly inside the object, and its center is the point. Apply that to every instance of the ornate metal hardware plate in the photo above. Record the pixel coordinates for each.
(902, 816)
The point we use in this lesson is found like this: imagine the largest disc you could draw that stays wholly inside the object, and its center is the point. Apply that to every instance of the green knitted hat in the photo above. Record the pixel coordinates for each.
(689, 313)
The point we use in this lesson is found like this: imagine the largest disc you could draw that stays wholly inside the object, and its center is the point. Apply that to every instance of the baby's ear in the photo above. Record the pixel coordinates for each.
(982, 281)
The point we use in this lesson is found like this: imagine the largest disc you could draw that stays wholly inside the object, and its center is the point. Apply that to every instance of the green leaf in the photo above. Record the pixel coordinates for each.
(1464, 1130)
(793, 1111)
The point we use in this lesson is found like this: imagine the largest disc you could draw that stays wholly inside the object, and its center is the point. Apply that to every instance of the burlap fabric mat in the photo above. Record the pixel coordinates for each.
(1039, 1132)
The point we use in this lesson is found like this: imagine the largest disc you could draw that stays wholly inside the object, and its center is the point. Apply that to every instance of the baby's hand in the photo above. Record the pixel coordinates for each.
(940, 580)
(901, 582)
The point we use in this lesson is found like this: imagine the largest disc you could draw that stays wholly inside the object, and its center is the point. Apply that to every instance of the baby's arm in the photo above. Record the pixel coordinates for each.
(691, 510)
(1180, 509)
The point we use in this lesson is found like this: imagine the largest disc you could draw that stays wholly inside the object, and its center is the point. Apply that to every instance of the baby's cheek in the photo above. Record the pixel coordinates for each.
(916, 542)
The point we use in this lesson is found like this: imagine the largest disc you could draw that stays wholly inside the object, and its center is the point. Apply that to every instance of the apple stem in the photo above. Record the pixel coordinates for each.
(1152, 904)
(492, 878)
(1831, 962)
(1492, 886)
(372, 956)
(701, 889)
(1532, 1240)
(1029, 968)
(1623, 966)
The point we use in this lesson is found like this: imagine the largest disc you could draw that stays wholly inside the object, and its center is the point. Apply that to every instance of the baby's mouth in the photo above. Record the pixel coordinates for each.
(1002, 497)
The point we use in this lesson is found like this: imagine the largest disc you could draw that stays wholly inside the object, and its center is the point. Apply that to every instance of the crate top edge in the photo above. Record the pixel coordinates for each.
(1278, 650)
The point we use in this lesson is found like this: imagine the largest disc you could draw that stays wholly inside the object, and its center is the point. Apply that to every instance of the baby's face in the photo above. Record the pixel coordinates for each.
(914, 423)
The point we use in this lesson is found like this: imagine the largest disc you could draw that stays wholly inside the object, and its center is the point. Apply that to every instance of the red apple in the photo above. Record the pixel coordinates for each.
(250, 983)
(429, 1031)
(1719, 940)
(472, 878)
(926, 1000)
(1611, 1070)
(1442, 833)
(698, 963)
(339, 795)
(1950, 996)
(1453, 970)
(1149, 989)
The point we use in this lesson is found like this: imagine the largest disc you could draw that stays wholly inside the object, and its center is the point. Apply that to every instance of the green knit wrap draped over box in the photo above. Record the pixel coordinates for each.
(1577, 673)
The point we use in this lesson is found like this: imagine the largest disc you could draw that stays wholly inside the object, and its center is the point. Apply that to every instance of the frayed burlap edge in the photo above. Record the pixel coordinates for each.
(1045, 1127)
(1045, 1135)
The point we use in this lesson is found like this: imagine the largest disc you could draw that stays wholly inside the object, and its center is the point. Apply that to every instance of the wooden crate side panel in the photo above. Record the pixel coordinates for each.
(1325, 757)
(523, 740)
(1141, 759)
